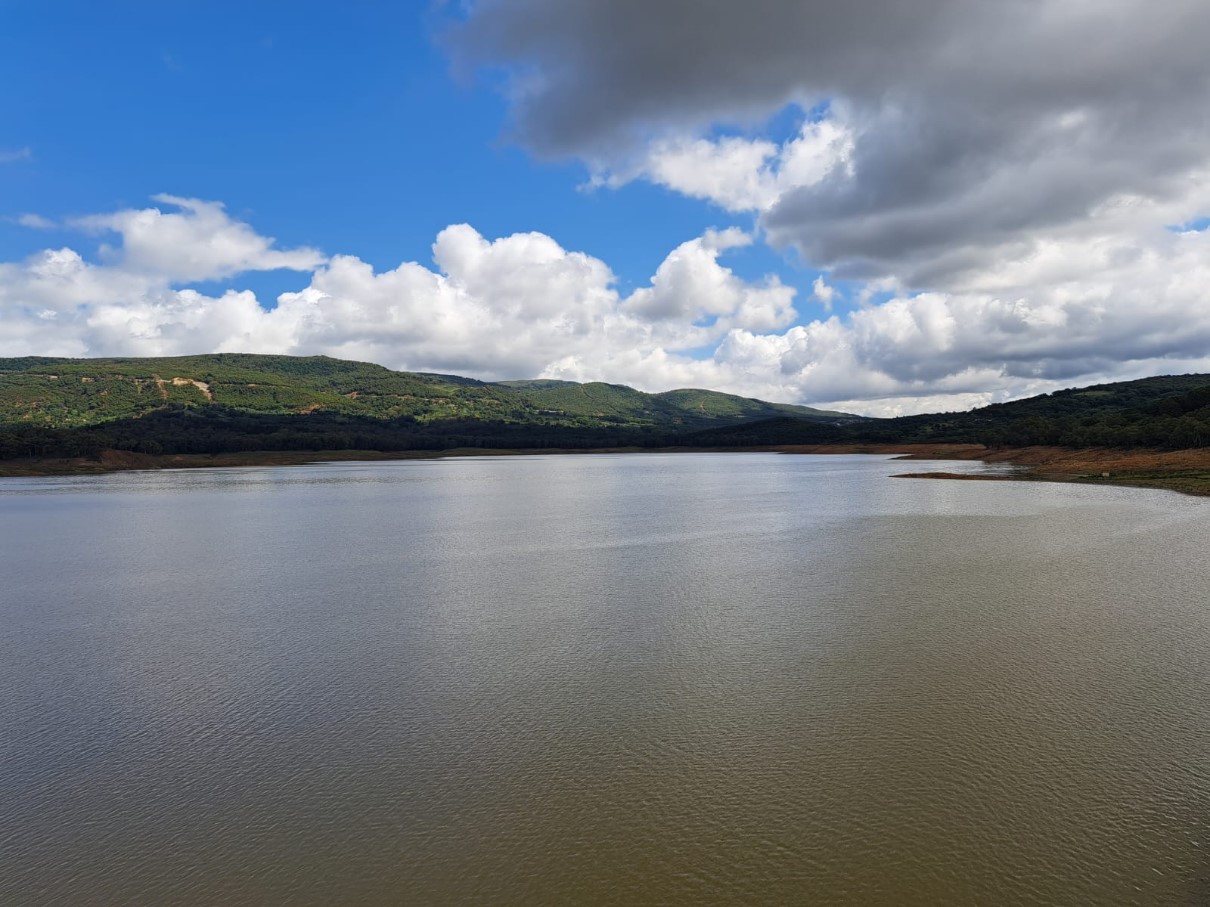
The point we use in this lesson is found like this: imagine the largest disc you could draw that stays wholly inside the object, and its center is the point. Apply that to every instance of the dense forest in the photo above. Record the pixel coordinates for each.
(227, 403)
(1168, 412)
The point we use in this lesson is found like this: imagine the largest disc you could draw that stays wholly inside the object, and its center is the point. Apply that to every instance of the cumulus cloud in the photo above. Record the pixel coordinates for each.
(999, 180)
(522, 306)
(740, 174)
(519, 305)
(972, 129)
(691, 288)
(198, 241)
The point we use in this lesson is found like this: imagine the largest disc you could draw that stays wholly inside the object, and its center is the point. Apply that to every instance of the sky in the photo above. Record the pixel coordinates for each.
(870, 205)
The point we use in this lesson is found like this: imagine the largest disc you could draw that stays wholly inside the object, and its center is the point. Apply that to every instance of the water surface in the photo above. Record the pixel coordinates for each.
(641, 679)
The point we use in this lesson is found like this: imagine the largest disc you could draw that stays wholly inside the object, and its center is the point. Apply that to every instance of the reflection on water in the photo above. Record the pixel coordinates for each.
(649, 679)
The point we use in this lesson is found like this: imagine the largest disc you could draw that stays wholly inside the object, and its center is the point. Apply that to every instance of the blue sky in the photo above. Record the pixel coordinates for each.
(805, 202)
(338, 126)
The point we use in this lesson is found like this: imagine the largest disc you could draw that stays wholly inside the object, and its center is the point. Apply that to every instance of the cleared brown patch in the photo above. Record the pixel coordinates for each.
(200, 385)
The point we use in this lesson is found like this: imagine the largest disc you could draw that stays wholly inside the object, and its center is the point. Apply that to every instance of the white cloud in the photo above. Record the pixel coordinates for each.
(740, 174)
(35, 222)
(691, 288)
(733, 172)
(1078, 309)
(824, 293)
(514, 306)
(196, 242)
(17, 154)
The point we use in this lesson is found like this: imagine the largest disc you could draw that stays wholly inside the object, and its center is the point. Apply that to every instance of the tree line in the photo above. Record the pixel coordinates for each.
(1066, 419)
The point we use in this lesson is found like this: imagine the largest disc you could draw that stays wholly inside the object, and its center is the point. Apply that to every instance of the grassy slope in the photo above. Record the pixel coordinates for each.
(67, 393)
(686, 407)
(71, 393)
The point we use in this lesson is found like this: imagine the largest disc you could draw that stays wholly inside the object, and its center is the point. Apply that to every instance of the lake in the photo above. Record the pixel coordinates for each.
(638, 679)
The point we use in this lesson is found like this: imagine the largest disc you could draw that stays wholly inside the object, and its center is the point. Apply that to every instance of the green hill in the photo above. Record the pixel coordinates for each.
(1143, 413)
(214, 401)
(69, 393)
(618, 403)
(230, 402)
(1170, 411)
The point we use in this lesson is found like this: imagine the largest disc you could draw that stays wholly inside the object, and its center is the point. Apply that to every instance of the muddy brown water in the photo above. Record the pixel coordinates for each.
(639, 679)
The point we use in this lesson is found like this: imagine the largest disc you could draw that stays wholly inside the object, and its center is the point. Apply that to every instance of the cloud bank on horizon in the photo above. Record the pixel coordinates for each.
(1016, 194)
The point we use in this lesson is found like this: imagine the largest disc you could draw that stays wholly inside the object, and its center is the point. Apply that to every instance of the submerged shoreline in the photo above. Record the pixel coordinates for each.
(1185, 471)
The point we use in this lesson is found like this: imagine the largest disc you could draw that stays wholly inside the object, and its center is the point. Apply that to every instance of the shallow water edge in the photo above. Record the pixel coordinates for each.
(1183, 471)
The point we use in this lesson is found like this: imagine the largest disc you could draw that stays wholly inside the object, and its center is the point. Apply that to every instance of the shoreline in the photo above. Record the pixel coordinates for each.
(1184, 471)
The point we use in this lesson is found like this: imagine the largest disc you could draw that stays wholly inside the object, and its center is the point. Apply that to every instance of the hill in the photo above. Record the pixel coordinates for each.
(228, 402)
(678, 407)
(237, 401)
(72, 393)
(1170, 411)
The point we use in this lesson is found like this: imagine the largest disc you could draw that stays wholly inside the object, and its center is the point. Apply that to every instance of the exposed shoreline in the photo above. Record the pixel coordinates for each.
(1186, 471)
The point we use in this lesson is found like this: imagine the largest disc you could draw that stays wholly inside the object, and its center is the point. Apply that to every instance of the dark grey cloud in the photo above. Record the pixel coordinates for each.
(979, 124)
(598, 73)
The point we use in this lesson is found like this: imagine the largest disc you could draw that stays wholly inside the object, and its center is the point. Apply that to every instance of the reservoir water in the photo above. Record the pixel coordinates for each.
(640, 679)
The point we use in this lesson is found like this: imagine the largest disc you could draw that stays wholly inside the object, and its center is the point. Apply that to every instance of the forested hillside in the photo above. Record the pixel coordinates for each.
(1168, 412)
(228, 402)
(238, 402)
